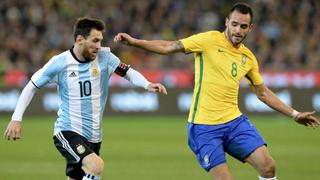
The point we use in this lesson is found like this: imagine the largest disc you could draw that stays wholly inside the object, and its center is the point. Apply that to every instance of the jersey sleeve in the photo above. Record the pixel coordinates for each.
(253, 76)
(195, 43)
(47, 73)
(113, 62)
(23, 102)
(109, 60)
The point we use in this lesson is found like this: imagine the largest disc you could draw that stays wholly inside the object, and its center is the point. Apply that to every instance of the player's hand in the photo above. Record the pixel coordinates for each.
(124, 38)
(307, 119)
(13, 130)
(157, 87)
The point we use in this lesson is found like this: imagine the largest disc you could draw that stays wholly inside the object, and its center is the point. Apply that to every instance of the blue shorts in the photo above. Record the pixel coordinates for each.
(239, 138)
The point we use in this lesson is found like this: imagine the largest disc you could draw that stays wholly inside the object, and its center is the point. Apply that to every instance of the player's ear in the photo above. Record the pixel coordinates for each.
(226, 21)
(79, 39)
(250, 27)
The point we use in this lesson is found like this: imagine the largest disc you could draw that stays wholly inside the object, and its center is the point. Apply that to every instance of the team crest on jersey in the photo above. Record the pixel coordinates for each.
(244, 59)
(80, 149)
(94, 71)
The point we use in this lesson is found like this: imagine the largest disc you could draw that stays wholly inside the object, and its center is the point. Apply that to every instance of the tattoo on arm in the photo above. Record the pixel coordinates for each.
(176, 46)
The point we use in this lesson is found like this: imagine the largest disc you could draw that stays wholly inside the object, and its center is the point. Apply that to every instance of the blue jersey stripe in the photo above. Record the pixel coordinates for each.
(64, 112)
(104, 87)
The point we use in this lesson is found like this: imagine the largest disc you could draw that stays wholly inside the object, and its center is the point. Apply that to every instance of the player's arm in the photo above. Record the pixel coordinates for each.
(157, 46)
(138, 79)
(269, 98)
(14, 127)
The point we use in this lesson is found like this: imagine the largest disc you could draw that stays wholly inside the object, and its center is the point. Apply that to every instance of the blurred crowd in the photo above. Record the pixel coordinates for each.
(285, 35)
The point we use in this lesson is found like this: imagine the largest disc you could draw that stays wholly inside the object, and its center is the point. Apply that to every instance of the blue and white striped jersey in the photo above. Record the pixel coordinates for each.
(83, 90)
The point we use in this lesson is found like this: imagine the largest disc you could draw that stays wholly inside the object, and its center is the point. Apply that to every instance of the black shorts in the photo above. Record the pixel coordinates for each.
(74, 148)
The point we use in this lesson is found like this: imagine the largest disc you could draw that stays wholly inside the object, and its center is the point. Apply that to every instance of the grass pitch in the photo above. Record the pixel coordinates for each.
(155, 148)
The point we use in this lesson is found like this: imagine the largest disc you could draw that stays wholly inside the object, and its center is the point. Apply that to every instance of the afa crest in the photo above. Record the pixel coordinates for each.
(80, 149)
(94, 70)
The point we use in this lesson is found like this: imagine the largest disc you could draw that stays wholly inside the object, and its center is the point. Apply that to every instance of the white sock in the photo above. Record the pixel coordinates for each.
(262, 178)
(90, 177)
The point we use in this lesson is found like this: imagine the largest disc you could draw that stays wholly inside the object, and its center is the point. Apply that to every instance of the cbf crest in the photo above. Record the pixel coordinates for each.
(206, 160)
(244, 60)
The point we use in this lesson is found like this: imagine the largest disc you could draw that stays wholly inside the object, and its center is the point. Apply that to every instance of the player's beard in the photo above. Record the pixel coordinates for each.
(238, 37)
(232, 37)
(87, 55)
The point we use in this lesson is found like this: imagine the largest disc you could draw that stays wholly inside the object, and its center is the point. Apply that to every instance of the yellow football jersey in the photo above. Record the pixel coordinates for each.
(219, 68)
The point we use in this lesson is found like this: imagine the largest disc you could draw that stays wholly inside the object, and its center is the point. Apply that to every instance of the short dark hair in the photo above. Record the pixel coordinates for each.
(84, 25)
(242, 8)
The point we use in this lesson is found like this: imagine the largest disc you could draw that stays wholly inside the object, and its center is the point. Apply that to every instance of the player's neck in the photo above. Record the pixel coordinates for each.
(77, 52)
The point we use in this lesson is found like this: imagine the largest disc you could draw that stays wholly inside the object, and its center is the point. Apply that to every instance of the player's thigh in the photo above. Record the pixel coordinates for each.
(74, 148)
(92, 163)
(206, 141)
(243, 139)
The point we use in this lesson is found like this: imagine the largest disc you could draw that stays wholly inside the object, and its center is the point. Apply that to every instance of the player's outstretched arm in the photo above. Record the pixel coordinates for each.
(139, 80)
(157, 87)
(14, 127)
(13, 130)
(269, 98)
(157, 46)
(307, 119)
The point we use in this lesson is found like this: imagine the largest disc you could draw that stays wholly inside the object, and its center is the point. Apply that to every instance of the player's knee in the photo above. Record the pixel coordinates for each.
(96, 167)
(268, 168)
(221, 172)
(93, 165)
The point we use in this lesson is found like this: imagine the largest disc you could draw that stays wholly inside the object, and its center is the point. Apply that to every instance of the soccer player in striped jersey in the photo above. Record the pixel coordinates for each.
(81, 74)
(215, 124)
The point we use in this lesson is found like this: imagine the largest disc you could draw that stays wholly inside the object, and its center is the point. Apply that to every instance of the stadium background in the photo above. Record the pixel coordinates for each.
(147, 139)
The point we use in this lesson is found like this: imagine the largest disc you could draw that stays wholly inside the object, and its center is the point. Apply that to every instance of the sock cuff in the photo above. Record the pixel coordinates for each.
(88, 176)
(262, 178)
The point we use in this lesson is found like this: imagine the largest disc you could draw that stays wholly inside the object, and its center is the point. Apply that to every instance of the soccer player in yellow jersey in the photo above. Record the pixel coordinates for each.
(216, 126)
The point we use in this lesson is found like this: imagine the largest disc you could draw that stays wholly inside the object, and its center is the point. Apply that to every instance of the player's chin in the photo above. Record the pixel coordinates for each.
(93, 56)
(237, 41)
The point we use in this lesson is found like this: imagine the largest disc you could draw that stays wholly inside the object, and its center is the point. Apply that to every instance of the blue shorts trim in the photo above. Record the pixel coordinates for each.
(239, 138)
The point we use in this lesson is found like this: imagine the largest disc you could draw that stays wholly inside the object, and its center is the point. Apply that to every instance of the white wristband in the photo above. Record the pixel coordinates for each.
(295, 114)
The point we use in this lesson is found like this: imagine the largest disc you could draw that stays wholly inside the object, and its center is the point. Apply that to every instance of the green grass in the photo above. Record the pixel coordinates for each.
(155, 148)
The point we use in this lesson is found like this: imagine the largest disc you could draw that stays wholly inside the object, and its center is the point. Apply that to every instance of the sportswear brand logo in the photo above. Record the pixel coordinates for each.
(220, 50)
(73, 74)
